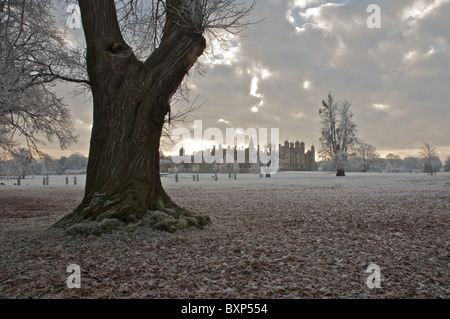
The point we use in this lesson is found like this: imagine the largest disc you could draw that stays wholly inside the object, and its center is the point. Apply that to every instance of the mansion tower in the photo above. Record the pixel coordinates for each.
(294, 158)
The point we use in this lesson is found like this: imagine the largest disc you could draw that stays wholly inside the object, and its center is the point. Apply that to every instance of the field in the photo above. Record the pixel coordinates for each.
(295, 235)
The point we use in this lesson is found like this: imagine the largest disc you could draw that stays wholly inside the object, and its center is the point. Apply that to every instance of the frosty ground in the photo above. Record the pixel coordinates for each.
(295, 235)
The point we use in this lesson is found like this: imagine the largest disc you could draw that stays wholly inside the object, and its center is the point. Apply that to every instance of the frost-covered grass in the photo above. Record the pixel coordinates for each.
(308, 179)
(53, 180)
(294, 235)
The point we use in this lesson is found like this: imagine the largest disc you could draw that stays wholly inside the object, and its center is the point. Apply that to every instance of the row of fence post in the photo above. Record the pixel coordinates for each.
(195, 177)
(45, 181)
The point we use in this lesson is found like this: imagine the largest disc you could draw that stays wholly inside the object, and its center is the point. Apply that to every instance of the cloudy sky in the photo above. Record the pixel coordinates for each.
(277, 73)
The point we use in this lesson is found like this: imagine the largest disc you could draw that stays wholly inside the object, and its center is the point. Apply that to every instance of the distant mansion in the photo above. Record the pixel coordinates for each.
(292, 158)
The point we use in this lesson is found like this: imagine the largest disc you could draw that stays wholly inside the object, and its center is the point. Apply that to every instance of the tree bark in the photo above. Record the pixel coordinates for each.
(131, 99)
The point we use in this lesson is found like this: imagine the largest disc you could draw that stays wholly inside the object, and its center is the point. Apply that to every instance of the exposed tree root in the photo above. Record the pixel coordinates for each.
(101, 216)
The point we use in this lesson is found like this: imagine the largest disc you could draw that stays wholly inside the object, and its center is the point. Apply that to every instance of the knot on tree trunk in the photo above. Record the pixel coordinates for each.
(120, 50)
(117, 47)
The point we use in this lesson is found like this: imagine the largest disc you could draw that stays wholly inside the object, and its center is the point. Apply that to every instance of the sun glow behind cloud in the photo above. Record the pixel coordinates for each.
(193, 144)
(381, 107)
(258, 73)
(307, 85)
(254, 87)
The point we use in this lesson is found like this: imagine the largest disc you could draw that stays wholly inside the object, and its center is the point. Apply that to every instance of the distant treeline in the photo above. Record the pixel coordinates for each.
(390, 164)
(22, 164)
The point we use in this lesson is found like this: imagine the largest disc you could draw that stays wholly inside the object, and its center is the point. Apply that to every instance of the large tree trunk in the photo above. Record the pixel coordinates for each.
(340, 172)
(131, 100)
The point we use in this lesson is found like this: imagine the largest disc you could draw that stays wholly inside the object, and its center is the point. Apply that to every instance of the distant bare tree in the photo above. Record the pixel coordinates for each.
(76, 162)
(48, 165)
(366, 153)
(447, 165)
(411, 163)
(429, 154)
(22, 159)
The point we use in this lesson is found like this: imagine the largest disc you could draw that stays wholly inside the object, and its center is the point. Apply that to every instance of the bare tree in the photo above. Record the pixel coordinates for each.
(338, 132)
(48, 165)
(75, 162)
(33, 57)
(366, 153)
(132, 97)
(22, 159)
(411, 163)
(429, 154)
(447, 165)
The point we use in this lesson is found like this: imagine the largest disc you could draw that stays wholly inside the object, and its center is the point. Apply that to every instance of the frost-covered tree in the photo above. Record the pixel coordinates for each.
(138, 53)
(435, 166)
(22, 159)
(338, 132)
(49, 165)
(447, 165)
(33, 56)
(429, 154)
(75, 162)
(411, 163)
(366, 153)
